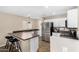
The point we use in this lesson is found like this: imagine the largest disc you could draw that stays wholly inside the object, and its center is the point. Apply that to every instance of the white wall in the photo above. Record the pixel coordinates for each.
(8, 23)
(26, 24)
(34, 24)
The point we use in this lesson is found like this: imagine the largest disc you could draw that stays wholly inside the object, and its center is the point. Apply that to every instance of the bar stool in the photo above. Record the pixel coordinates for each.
(12, 43)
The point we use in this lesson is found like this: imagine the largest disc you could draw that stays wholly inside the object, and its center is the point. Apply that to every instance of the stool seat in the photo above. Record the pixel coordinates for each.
(14, 43)
(11, 39)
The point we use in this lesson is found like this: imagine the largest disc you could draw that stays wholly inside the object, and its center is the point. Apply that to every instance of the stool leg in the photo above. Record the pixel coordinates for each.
(7, 44)
(18, 46)
(10, 48)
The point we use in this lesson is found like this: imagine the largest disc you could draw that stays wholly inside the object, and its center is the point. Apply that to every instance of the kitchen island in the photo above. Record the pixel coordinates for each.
(28, 39)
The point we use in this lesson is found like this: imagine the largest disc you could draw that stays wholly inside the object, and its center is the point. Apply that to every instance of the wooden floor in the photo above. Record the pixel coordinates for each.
(44, 46)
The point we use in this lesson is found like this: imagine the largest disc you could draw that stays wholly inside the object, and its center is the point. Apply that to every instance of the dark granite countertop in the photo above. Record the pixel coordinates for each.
(29, 30)
(20, 38)
(66, 35)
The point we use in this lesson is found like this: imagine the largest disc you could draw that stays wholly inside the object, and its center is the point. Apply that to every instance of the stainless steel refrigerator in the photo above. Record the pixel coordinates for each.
(46, 31)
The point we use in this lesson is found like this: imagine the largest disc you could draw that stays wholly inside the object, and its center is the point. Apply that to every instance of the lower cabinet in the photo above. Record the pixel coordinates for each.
(30, 45)
(34, 44)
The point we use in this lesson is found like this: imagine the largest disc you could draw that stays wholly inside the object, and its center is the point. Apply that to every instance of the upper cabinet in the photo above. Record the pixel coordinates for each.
(57, 22)
(72, 18)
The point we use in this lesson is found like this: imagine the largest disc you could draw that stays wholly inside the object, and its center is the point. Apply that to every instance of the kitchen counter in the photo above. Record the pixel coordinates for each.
(62, 44)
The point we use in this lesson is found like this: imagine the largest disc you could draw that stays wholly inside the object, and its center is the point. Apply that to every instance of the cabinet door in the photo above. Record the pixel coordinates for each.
(72, 18)
(34, 44)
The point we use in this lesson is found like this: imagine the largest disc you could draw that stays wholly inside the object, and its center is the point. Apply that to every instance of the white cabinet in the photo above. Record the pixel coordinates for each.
(61, 44)
(58, 22)
(34, 44)
(72, 18)
(30, 45)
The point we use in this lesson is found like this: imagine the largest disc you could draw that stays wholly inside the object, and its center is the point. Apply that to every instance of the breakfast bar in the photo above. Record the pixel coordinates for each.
(28, 39)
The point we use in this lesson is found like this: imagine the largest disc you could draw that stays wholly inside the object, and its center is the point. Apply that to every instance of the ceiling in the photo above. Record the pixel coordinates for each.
(36, 11)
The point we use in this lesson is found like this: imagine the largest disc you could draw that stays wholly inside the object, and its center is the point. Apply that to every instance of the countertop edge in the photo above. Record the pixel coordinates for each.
(21, 38)
(29, 30)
